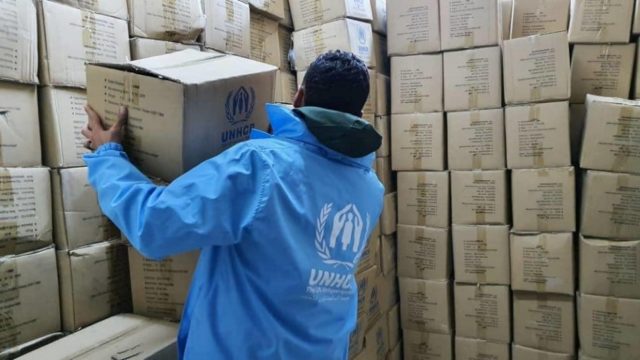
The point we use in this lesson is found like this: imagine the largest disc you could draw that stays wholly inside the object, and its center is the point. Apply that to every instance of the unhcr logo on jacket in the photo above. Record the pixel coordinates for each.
(238, 109)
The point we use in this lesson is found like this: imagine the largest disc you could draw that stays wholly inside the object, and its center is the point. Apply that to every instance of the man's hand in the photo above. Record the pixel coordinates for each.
(98, 135)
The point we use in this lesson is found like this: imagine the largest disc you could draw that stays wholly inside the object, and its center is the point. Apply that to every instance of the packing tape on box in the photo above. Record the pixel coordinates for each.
(9, 216)
(131, 93)
(420, 268)
(476, 158)
(230, 11)
(469, 40)
(540, 214)
(618, 211)
(421, 192)
(536, 147)
(481, 237)
(169, 12)
(4, 119)
(541, 282)
(481, 326)
(605, 51)
(624, 130)
(481, 209)
(535, 94)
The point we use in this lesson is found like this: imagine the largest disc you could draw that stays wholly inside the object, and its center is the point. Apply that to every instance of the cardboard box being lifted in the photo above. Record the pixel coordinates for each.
(184, 107)
(426, 305)
(535, 17)
(423, 252)
(479, 197)
(423, 198)
(416, 84)
(475, 349)
(114, 8)
(175, 20)
(475, 139)
(468, 24)
(228, 27)
(413, 27)
(600, 21)
(19, 125)
(481, 254)
(307, 13)
(19, 41)
(142, 48)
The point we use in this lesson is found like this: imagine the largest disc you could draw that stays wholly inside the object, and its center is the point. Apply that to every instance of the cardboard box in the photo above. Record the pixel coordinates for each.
(481, 254)
(388, 254)
(544, 321)
(426, 346)
(479, 197)
(272, 8)
(228, 27)
(70, 38)
(30, 302)
(505, 8)
(611, 145)
(356, 342)
(265, 41)
(601, 70)
(365, 281)
(370, 254)
(394, 334)
(285, 37)
(544, 199)
(636, 20)
(94, 283)
(425, 305)
(609, 205)
(417, 142)
(538, 135)
(308, 13)
(472, 79)
(536, 69)
(595, 22)
(287, 21)
(286, 87)
(383, 63)
(468, 24)
(387, 291)
(124, 336)
(166, 20)
(376, 340)
(535, 17)
(475, 140)
(483, 312)
(525, 353)
(383, 165)
(610, 268)
(346, 34)
(369, 108)
(159, 288)
(19, 126)
(413, 27)
(423, 198)
(142, 48)
(78, 220)
(636, 87)
(25, 210)
(577, 115)
(423, 253)
(166, 136)
(383, 126)
(543, 263)
(395, 353)
(473, 349)
(416, 84)
(389, 216)
(114, 8)
(383, 91)
(609, 327)
(19, 42)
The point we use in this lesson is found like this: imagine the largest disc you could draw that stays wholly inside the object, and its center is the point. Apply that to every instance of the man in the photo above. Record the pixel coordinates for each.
(281, 221)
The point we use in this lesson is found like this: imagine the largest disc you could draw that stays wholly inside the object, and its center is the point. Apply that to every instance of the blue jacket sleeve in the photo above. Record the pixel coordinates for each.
(210, 205)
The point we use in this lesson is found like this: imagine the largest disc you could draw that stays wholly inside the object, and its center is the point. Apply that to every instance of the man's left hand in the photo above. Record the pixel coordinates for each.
(97, 134)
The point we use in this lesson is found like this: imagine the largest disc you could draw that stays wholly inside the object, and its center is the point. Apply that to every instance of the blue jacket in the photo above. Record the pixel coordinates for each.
(281, 222)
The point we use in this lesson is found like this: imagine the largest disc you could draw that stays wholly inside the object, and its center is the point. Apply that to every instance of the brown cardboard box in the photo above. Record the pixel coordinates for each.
(124, 336)
(389, 216)
(479, 197)
(544, 199)
(376, 341)
(394, 334)
(609, 327)
(526, 353)
(417, 142)
(78, 220)
(30, 302)
(19, 126)
(142, 48)
(595, 22)
(483, 312)
(468, 24)
(543, 263)
(611, 145)
(577, 115)
(287, 21)
(383, 126)
(227, 27)
(534, 17)
(472, 79)
(536, 68)
(70, 38)
(94, 283)
(423, 198)
(425, 305)
(19, 46)
(609, 205)
(504, 25)
(413, 27)
(161, 95)
(481, 254)
(272, 8)
(475, 140)
(426, 346)
(601, 70)
(365, 281)
(115, 8)
(610, 268)
(345, 34)
(388, 254)
(379, 12)
(371, 253)
(544, 321)
(265, 41)
(416, 84)
(308, 13)
(383, 170)
(159, 288)
(395, 353)
(162, 20)
(423, 253)
(370, 104)
(474, 349)
(25, 210)
(286, 87)
(383, 97)
(538, 135)
(388, 295)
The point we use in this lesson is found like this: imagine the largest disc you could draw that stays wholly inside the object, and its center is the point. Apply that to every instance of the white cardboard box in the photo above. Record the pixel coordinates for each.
(70, 38)
(468, 24)
(308, 13)
(115, 8)
(600, 22)
(473, 349)
(423, 198)
(426, 346)
(475, 140)
(483, 312)
(481, 254)
(19, 47)
(286, 87)
(417, 141)
(526, 353)
(416, 84)
(472, 79)
(166, 20)
(142, 48)
(19, 125)
(543, 263)
(544, 199)
(423, 252)
(413, 27)
(535, 17)
(538, 135)
(228, 26)
(426, 305)
(536, 68)
(479, 197)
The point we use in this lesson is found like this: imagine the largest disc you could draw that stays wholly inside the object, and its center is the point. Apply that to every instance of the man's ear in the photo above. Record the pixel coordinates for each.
(298, 100)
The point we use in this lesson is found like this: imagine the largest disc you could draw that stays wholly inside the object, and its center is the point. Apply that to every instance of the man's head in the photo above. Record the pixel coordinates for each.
(336, 80)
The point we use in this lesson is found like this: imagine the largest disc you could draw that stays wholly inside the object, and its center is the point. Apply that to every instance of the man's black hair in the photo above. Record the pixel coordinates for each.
(337, 80)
